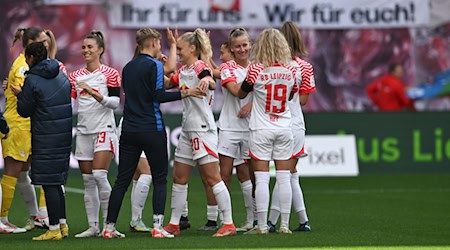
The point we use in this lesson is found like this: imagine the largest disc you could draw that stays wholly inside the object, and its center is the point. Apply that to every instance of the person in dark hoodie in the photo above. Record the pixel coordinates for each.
(45, 98)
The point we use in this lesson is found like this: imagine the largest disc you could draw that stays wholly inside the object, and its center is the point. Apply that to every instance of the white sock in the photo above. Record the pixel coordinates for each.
(62, 221)
(158, 221)
(212, 212)
(104, 189)
(275, 206)
(285, 195)
(262, 196)
(298, 202)
(54, 227)
(139, 196)
(91, 200)
(185, 210)
(28, 193)
(223, 199)
(179, 196)
(246, 188)
(133, 187)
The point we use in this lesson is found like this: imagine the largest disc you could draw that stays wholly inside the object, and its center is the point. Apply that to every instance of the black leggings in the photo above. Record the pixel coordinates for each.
(154, 145)
(56, 203)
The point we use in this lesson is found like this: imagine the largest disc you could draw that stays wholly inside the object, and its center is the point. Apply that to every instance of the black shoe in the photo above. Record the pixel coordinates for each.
(209, 226)
(271, 226)
(184, 223)
(305, 227)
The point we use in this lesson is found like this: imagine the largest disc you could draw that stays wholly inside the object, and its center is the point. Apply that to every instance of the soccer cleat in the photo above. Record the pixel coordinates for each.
(13, 228)
(173, 229)
(50, 235)
(64, 228)
(109, 234)
(4, 229)
(209, 226)
(245, 227)
(184, 223)
(90, 232)
(30, 224)
(305, 227)
(41, 222)
(284, 230)
(226, 230)
(161, 233)
(272, 228)
(258, 230)
(139, 226)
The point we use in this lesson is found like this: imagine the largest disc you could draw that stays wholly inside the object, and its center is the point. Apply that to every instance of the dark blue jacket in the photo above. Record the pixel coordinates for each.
(45, 97)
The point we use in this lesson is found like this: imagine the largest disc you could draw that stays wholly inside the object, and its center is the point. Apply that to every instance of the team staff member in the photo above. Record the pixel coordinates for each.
(143, 128)
(17, 146)
(45, 98)
(388, 92)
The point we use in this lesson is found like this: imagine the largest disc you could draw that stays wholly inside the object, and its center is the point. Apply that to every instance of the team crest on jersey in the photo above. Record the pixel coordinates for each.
(225, 74)
(184, 86)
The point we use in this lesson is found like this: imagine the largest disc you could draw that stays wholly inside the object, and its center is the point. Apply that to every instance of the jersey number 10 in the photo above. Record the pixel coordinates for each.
(275, 98)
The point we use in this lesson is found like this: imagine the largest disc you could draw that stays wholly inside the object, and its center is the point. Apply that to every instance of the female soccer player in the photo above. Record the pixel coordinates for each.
(17, 146)
(47, 89)
(198, 139)
(273, 81)
(307, 86)
(96, 87)
(233, 120)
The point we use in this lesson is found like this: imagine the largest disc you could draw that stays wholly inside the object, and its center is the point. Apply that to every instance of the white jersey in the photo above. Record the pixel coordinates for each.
(197, 112)
(307, 85)
(272, 87)
(228, 120)
(93, 117)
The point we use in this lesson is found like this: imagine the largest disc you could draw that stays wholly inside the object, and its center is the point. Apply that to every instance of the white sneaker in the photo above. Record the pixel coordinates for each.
(139, 226)
(13, 228)
(245, 227)
(258, 230)
(90, 232)
(161, 233)
(109, 234)
(4, 229)
(284, 230)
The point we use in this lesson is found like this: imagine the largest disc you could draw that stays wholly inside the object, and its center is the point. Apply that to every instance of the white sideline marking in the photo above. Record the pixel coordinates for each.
(74, 190)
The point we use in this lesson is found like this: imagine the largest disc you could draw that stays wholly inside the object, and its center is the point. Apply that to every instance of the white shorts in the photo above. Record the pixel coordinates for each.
(299, 143)
(87, 145)
(194, 146)
(238, 162)
(234, 144)
(266, 145)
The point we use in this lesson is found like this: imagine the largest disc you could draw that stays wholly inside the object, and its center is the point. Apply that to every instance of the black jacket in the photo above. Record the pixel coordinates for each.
(45, 97)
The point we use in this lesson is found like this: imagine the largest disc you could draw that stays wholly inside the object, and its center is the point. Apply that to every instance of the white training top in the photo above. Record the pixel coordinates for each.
(228, 120)
(93, 117)
(272, 87)
(197, 112)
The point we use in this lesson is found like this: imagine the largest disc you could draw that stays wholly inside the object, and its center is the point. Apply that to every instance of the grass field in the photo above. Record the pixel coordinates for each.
(365, 212)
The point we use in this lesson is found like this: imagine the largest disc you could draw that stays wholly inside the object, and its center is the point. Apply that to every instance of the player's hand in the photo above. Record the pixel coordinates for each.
(204, 84)
(196, 92)
(15, 90)
(172, 37)
(245, 111)
(5, 84)
(163, 59)
(85, 86)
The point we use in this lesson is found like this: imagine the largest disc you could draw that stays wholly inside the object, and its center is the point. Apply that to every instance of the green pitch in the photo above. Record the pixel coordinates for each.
(365, 212)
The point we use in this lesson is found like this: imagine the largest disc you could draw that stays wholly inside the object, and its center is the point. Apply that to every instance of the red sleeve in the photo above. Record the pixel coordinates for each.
(72, 80)
(226, 74)
(372, 91)
(113, 78)
(253, 72)
(401, 93)
(62, 67)
(175, 79)
(201, 66)
(308, 84)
